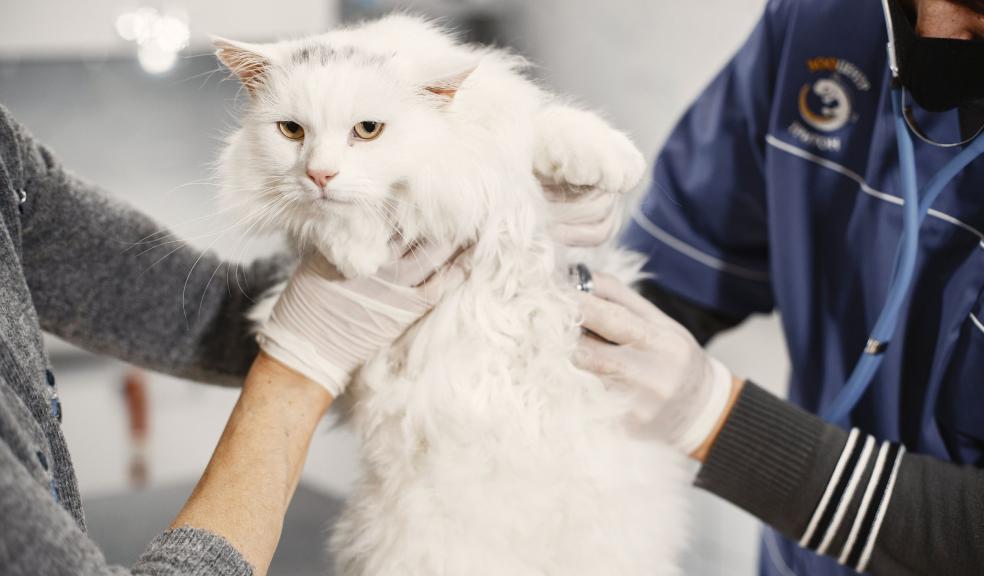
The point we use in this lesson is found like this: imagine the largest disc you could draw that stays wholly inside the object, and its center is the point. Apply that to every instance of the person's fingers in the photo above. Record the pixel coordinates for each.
(635, 165)
(589, 224)
(576, 236)
(611, 321)
(609, 288)
(597, 357)
(589, 207)
(611, 223)
(584, 236)
(419, 263)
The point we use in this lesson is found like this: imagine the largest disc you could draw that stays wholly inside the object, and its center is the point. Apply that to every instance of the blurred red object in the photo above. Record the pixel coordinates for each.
(138, 412)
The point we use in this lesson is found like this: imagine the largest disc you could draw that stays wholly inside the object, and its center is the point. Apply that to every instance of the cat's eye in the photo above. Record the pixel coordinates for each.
(291, 130)
(367, 130)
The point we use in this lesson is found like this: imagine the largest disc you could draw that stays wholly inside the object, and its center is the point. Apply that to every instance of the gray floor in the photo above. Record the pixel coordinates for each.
(124, 524)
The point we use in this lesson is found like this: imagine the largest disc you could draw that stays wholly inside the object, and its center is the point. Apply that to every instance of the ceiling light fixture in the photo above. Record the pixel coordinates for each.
(159, 37)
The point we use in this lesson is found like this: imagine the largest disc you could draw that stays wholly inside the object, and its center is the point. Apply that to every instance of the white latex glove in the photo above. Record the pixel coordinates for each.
(585, 167)
(681, 392)
(326, 326)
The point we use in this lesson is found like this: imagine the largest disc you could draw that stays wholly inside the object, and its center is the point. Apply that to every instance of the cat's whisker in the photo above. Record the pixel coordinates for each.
(201, 302)
(222, 210)
(261, 215)
(158, 242)
(411, 246)
(388, 210)
(162, 233)
(209, 77)
(199, 55)
(388, 218)
(165, 232)
(181, 244)
(242, 250)
(164, 257)
(184, 288)
(212, 181)
(272, 215)
(377, 211)
(207, 73)
(235, 273)
(161, 242)
(399, 201)
(238, 92)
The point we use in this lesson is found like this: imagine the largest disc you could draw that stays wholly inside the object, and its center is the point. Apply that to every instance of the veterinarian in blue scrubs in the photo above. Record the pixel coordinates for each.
(779, 190)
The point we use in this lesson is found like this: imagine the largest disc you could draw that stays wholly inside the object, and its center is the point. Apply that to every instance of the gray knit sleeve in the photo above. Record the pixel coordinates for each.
(182, 551)
(94, 283)
(844, 494)
(39, 537)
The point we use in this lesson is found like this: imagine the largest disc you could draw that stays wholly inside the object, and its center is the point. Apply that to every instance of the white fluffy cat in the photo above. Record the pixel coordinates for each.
(485, 451)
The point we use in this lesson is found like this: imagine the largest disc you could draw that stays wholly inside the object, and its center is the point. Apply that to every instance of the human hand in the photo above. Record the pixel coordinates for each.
(681, 393)
(325, 326)
(585, 167)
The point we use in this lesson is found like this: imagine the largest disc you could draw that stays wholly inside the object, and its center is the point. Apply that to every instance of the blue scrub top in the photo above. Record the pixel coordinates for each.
(779, 189)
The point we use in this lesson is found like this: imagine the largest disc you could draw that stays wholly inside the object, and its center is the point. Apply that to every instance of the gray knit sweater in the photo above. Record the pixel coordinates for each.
(64, 268)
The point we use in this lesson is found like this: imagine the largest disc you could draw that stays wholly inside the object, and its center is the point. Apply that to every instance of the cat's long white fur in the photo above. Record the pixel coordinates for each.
(485, 451)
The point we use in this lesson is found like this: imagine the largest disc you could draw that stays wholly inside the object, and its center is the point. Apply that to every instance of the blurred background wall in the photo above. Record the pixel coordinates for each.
(128, 94)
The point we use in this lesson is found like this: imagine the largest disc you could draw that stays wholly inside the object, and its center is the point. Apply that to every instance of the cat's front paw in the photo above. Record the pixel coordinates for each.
(578, 149)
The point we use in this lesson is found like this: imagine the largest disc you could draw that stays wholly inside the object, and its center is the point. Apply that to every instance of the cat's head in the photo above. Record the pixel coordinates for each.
(359, 137)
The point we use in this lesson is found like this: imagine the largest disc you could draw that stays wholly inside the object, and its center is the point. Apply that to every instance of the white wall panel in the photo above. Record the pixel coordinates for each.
(63, 28)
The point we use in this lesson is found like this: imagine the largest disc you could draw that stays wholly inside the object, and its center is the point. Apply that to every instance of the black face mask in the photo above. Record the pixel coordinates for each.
(940, 73)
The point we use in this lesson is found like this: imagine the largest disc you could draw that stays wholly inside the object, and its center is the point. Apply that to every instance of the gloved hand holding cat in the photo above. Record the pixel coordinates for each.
(681, 392)
(326, 326)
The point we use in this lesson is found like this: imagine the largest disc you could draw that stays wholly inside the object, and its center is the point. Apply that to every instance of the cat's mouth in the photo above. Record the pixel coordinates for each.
(325, 197)
(328, 201)
(333, 201)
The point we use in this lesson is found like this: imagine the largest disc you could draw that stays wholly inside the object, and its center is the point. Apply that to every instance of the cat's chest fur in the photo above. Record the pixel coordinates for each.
(485, 451)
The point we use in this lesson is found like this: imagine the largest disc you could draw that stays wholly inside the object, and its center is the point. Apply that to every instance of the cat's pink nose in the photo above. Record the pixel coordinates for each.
(321, 177)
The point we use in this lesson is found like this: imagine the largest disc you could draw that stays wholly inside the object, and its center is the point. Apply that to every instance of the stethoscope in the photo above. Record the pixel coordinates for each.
(914, 211)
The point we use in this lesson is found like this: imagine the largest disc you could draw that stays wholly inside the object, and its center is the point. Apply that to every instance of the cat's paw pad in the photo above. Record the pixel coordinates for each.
(577, 148)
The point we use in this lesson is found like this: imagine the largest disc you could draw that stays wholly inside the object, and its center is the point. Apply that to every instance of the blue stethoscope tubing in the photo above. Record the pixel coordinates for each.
(914, 210)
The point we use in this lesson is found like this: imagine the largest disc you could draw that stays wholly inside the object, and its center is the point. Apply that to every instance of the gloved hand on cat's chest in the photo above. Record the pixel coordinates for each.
(326, 326)
(681, 393)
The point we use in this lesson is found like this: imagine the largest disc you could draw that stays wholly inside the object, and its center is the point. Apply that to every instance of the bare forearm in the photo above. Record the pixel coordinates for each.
(244, 492)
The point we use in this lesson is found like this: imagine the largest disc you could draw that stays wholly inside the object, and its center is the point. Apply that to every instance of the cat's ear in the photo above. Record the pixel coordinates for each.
(446, 88)
(249, 62)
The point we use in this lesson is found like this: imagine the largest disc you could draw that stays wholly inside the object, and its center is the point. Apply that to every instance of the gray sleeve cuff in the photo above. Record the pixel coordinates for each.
(772, 459)
(191, 552)
(864, 502)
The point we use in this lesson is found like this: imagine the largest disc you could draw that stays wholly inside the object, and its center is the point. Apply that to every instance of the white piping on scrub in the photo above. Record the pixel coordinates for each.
(844, 171)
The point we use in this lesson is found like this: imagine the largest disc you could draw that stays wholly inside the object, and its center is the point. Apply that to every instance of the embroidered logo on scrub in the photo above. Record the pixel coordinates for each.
(826, 102)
